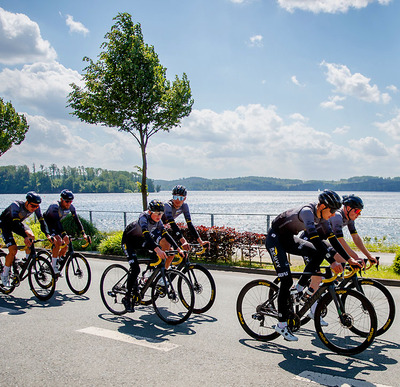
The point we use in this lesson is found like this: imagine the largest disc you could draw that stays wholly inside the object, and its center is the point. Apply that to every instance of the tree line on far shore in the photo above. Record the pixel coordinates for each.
(20, 179)
(256, 183)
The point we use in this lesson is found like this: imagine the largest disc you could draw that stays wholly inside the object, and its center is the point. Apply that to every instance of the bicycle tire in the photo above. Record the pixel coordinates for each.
(42, 279)
(113, 288)
(256, 309)
(173, 302)
(203, 286)
(382, 301)
(341, 336)
(6, 289)
(78, 274)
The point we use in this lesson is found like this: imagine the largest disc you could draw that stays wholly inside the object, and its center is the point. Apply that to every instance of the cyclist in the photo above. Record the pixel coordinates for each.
(11, 221)
(345, 217)
(172, 209)
(282, 239)
(145, 233)
(53, 216)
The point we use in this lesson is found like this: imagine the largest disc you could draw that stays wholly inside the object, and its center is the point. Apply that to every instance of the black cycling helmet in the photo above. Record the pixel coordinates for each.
(66, 194)
(156, 206)
(330, 198)
(33, 197)
(179, 190)
(353, 201)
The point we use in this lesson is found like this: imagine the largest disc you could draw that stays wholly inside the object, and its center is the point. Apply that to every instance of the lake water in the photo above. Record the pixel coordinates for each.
(242, 210)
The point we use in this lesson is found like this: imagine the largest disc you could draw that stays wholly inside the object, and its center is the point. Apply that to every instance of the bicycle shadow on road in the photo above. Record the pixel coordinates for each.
(60, 299)
(148, 324)
(14, 305)
(321, 360)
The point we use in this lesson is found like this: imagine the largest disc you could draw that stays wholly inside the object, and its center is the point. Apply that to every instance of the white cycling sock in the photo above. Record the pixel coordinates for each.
(54, 262)
(6, 270)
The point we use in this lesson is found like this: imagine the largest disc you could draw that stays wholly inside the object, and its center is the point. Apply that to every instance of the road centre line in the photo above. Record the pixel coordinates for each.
(331, 380)
(160, 345)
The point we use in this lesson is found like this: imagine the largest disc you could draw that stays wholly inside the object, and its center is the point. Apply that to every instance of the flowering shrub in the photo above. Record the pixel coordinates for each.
(225, 242)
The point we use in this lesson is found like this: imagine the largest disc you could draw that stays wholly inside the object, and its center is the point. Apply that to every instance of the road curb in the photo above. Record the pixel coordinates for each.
(237, 269)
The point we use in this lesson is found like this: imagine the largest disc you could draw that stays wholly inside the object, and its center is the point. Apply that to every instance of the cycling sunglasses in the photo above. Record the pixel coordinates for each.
(176, 197)
(158, 212)
(33, 205)
(357, 211)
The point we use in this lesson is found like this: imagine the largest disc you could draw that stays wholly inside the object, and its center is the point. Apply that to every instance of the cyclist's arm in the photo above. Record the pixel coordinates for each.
(77, 220)
(348, 249)
(360, 244)
(43, 224)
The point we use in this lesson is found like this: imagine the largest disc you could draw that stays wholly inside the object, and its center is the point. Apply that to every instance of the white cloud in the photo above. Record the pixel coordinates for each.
(342, 130)
(295, 81)
(354, 85)
(392, 88)
(256, 41)
(75, 26)
(391, 127)
(73, 143)
(20, 40)
(333, 103)
(327, 6)
(369, 146)
(41, 86)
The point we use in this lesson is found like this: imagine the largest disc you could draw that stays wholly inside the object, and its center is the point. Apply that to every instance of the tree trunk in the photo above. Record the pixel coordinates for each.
(143, 187)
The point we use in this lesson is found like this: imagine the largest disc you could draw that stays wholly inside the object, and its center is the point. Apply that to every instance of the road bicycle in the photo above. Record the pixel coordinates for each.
(201, 279)
(375, 291)
(351, 318)
(77, 269)
(39, 272)
(172, 293)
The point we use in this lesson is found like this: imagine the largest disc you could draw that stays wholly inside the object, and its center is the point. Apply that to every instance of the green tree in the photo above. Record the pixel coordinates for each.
(127, 89)
(13, 127)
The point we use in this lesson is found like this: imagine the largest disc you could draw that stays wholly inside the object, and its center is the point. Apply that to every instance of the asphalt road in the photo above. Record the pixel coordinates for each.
(74, 341)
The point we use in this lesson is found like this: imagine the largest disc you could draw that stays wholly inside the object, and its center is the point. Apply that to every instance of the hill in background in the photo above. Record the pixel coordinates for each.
(255, 183)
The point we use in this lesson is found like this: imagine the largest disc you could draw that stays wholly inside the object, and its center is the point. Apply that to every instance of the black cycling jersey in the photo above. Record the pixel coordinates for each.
(55, 213)
(339, 221)
(171, 213)
(304, 218)
(11, 220)
(145, 227)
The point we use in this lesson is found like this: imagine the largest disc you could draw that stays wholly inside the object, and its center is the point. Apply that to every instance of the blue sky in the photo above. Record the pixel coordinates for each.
(282, 88)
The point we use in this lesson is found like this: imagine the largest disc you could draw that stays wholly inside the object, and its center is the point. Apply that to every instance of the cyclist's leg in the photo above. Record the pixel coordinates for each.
(165, 246)
(129, 246)
(57, 242)
(281, 264)
(12, 252)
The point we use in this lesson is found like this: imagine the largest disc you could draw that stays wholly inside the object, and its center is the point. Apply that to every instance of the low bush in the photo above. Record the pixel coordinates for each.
(396, 263)
(111, 245)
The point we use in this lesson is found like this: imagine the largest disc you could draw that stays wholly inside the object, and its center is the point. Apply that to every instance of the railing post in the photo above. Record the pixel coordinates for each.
(90, 217)
(124, 220)
(212, 220)
(268, 222)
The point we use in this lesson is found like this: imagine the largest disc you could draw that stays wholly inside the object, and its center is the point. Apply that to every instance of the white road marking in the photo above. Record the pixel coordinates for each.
(331, 380)
(160, 345)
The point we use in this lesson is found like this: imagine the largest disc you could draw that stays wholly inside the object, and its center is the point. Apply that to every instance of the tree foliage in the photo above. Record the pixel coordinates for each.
(13, 127)
(127, 88)
(19, 179)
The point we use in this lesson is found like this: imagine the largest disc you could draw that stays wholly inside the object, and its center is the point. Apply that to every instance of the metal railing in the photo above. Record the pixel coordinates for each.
(124, 214)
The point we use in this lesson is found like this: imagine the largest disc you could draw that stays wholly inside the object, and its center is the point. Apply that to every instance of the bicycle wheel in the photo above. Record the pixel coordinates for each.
(174, 302)
(256, 309)
(381, 300)
(203, 286)
(78, 274)
(341, 335)
(6, 289)
(113, 288)
(41, 278)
